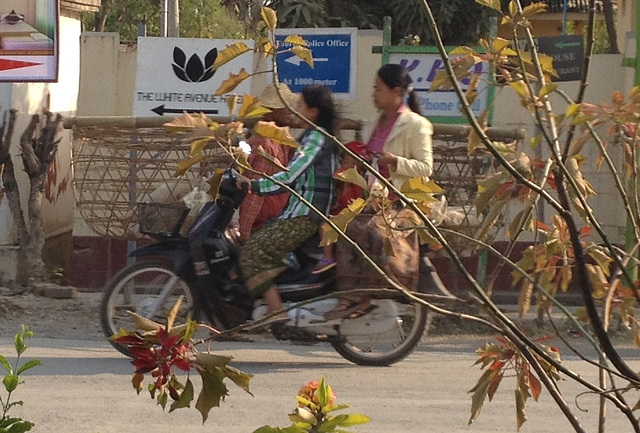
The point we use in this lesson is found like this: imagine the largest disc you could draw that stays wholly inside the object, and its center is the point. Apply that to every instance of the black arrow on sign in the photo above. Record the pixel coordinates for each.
(160, 110)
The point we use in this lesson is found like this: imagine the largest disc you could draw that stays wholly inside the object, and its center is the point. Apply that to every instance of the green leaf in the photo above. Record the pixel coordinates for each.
(27, 365)
(572, 110)
(15, 425)
(6, 364)
(479, 394)
(239, 377)
(210, 361)
(323, 392)
(547, 89)
(267, 429)
(173, 313)
(162, 399)
(186, 397)
(18, 342)
(213, 390)
(10, 382)
(334, 407)
(354, 419)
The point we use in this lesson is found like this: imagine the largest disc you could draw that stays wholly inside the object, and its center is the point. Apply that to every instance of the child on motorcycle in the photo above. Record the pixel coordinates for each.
(347, 194)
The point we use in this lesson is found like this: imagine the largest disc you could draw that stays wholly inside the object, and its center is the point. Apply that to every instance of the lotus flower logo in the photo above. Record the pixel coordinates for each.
(194, 70)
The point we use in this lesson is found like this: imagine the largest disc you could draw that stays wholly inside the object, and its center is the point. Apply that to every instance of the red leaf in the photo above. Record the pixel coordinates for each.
(535, 386)
(586, 231)
(542, 226)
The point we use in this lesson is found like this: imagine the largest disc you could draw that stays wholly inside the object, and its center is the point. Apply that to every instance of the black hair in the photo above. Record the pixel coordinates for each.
(394, 75)
(321, 97)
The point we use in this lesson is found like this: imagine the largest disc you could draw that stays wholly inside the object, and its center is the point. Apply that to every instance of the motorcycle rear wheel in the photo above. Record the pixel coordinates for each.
(391, 346)
(137, 288)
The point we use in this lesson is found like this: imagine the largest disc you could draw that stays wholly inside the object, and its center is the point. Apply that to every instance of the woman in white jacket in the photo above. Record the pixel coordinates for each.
(402, 144)
(402, 138)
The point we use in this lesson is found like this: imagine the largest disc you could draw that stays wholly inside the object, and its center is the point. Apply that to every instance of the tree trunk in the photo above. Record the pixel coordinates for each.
(38, 145)
(611, 26)
(102, 15)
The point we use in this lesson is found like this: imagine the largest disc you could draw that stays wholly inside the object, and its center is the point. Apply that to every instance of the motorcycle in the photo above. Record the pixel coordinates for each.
(166, 270)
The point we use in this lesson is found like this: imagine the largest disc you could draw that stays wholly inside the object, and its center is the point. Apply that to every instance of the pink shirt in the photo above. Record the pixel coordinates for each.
(379, 137)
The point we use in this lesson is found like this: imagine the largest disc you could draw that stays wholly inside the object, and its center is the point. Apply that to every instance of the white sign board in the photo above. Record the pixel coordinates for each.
(176, 75)
(29, 40)
(443, 103)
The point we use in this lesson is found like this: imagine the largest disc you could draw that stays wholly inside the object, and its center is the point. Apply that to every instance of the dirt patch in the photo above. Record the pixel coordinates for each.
(75, 318)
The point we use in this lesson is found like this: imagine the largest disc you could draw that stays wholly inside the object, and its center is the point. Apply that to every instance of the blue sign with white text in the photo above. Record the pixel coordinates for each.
(332, 59)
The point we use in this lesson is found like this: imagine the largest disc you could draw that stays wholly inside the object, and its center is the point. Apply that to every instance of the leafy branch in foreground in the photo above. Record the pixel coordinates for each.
(316, 405)
(164, 351)
(11, 381)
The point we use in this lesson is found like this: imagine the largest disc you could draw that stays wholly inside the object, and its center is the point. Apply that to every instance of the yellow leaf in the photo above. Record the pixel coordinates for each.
(521, 88)
(144, 324)
(572, 110)
(188, 122)
(441, 81)
(417, 184)
(270, 18)
(547, 89)
(214, 182)
(493, 4)
(249, 104)
(265, 46)
(229, 53)
(197, 145)
(499, 44)
(534, 8)
(185, 164)
(232, 82)
(258, 112)
(351, 175)
(232, 103)
(513, 8)
(278, 134)
(546, 63)
(296, 40)
(462, 50)
(304, 54)
(173, 313)
(342, 220)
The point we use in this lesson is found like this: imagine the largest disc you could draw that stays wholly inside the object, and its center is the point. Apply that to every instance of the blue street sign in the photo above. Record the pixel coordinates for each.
(334, 52)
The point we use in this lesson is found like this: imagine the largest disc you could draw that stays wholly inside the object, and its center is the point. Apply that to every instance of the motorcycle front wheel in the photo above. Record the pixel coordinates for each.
(386, 348)
(148, 288)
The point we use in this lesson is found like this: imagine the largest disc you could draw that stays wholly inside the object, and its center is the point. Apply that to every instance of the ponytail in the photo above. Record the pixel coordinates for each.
(412, 101)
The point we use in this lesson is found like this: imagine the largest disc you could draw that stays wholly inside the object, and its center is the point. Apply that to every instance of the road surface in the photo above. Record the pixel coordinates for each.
(84, 387)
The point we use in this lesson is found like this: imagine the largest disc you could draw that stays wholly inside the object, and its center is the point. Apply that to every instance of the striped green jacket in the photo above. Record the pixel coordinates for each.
(310, 173)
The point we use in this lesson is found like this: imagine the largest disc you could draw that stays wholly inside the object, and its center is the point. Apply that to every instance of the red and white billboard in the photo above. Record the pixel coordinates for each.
(29, 40)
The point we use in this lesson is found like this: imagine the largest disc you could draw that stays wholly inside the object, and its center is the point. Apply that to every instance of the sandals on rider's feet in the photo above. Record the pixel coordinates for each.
(350, 309)
(323, 266)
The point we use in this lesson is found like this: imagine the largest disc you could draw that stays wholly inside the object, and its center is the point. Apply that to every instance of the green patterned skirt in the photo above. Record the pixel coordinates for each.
(262, 256)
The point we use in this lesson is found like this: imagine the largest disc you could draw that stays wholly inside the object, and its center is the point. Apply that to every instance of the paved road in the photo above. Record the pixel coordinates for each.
(84, 387)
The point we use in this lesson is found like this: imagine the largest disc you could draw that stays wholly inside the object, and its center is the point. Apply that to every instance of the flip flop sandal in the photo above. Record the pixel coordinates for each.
(324, 265)
(346, 308)
(362, 311)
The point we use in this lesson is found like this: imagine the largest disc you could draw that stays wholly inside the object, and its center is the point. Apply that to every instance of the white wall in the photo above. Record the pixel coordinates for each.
(113, 67)
(31, 98)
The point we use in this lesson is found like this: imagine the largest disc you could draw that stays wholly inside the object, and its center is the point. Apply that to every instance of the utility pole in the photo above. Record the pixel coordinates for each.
(173, 19)
(163, 18)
